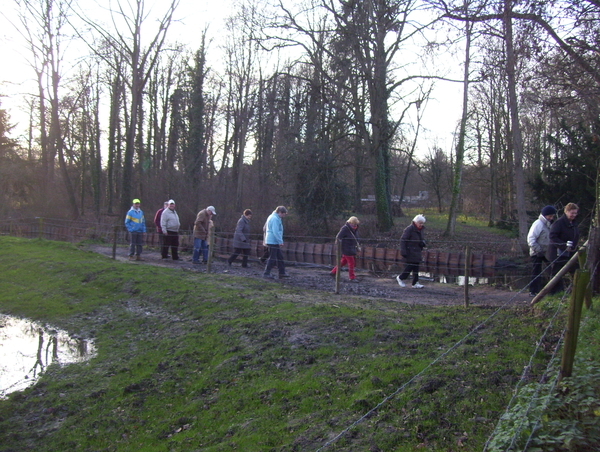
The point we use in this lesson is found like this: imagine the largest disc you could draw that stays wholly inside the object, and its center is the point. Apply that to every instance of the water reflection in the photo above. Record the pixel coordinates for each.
(28, 348)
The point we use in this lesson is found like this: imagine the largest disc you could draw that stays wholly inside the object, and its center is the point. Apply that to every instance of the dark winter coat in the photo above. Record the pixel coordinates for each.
(561, 231)
(157, 218)
(349, 238)
(241, 237)
(411, 244)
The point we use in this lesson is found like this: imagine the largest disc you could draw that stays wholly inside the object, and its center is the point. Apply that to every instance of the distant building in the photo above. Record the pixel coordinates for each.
(422, 196)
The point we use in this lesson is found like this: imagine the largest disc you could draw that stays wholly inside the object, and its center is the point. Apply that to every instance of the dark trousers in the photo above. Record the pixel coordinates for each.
(135, 245)
(536, 273)
(275, 258)
(265, 255)
(236, 252)
(171, 240)
(414, 268)
(161, 241)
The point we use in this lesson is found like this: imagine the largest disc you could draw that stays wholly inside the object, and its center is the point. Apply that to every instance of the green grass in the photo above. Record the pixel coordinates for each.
(439, 221)
(190, 361)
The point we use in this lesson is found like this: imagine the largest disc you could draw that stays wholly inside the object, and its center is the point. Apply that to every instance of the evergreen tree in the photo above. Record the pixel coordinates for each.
(572, 175)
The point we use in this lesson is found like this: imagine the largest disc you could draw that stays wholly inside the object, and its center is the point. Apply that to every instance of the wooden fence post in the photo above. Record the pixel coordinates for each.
(41, 227)
(580, 288)
(338, 259)
(211, 243)
(467, 274)
(114, 250)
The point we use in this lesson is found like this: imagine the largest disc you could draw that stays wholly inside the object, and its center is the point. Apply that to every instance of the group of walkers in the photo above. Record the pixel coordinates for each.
(166, 221)
(412, 243)
(167, 226)
(551, 242)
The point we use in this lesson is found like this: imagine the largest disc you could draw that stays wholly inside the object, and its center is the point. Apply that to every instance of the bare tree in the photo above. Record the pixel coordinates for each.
(44, 29)
(242, 61)
(126, 37)
(362, 41)
(436, 173)
(460, 147)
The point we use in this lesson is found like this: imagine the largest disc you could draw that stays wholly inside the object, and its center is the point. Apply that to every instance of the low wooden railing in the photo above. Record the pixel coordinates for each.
(376, 258)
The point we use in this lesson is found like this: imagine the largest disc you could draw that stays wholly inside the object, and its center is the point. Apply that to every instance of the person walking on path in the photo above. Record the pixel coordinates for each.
(538, 239)
(348, 236)
(136, 225)
(564, 235)
(169, 223)
(274, 240)
(411, 245)
(157, 217)
(202, 227)
(241, 239)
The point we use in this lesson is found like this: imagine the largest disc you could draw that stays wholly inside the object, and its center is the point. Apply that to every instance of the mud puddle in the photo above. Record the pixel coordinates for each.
(27, 349)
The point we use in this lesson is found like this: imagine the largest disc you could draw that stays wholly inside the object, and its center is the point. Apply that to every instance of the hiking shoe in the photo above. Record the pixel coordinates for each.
(139, 258)
(400, 282)
(532, 294)
(132, 257)
(284, 275)
(418, 286)
(268, 276)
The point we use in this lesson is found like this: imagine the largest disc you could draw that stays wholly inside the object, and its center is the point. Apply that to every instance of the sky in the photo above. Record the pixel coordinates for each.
(192, 16)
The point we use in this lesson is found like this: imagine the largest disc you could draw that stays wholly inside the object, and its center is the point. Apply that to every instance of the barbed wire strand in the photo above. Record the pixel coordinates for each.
(534, 396)
(431, 364)
(555, 382)
(523, 377)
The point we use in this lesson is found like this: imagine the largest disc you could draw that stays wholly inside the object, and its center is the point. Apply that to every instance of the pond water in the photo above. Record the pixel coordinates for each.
(513, 281)
(27, 348)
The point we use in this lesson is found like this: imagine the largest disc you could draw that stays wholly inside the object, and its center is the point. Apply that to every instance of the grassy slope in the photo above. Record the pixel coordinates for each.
(216, 363)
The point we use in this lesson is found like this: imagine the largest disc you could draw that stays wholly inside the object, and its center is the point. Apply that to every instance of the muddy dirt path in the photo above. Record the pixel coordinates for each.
(317, 278)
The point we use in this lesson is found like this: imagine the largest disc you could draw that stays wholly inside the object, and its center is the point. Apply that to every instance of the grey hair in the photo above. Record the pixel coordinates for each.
(419, 219)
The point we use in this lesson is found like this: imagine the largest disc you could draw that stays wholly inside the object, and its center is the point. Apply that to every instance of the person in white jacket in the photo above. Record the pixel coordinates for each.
(538, 239)
(169, 223)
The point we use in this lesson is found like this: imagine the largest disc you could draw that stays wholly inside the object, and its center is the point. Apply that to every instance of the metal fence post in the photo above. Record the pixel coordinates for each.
(211, 242)
(467, 274)
(114, 250)
(338, 260)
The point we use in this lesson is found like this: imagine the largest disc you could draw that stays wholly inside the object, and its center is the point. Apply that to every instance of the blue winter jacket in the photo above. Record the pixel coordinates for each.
(274, 233)
(134, 221)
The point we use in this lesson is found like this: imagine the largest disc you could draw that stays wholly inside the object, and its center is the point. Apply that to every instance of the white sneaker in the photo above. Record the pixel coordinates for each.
(400, 282)
(418, 286)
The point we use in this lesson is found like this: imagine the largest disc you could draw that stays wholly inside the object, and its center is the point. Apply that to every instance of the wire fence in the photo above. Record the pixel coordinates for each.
(524, 377)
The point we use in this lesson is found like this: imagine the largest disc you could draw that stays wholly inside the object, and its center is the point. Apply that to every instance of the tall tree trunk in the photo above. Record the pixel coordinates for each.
(517, 138)
(113, 129)
(96, 152)
(460, 147)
